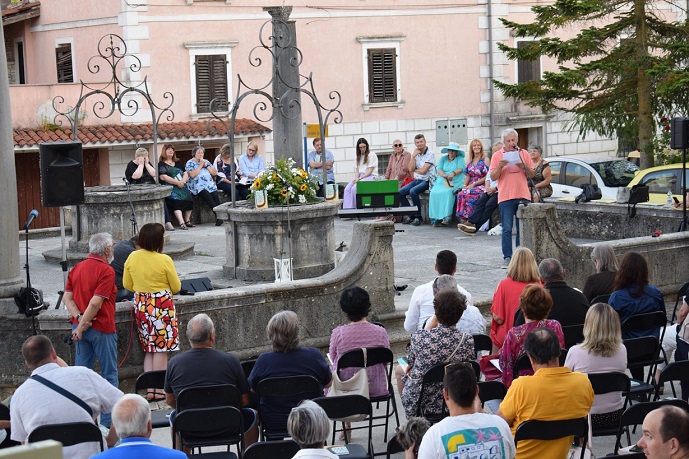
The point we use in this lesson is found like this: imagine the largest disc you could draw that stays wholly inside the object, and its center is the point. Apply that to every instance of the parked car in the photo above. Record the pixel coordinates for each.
(660, 179)
(608, 173)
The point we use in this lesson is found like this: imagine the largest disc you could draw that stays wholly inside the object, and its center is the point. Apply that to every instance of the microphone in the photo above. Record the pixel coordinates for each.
(33, 214)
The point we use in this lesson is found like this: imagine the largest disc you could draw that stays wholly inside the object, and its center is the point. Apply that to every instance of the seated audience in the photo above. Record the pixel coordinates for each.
(603, 282)
(467, 429)
(36, 404)
(315, 163)
(139, 170)
(475, 174)
(356, 304)
(309, 426)
(203, 365)
(202, 179)
(553, 393)
(398, 169)
(131, 418)
(601, 352)
(250, 165)
(422, 165)
(541, 175)
(450, 177)
(420, 307)
(472, 320)
(569, 304)
(409, 435)
(365, 168)
(287, 359)
(665, 433)
(171, 173)
(442, 344)
(485, 205)
(535, 302)
(521, 271)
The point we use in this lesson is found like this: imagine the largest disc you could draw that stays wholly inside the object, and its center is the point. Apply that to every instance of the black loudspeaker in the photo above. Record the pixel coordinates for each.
(198, 284)
(62, 174)
(679, 133)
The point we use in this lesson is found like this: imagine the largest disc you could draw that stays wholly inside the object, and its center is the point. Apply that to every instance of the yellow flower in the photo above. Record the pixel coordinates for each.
(303, 187)
(257, 184)
(283, 192)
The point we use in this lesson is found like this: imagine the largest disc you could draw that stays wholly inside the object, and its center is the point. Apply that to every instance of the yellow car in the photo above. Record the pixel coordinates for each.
(660, 179)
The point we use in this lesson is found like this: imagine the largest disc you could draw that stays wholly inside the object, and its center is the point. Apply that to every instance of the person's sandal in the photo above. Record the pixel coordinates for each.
(182, 226)
(189, 224)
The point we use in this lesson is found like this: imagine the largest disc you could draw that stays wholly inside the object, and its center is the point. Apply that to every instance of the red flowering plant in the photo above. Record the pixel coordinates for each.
(661, 145)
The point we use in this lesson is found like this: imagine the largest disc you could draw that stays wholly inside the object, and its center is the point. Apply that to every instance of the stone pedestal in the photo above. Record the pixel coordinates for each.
(255, 237)
(106, 210)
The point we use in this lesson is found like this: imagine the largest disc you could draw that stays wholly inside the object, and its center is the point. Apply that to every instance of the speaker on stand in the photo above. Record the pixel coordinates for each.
(679, 140)
(62, 184)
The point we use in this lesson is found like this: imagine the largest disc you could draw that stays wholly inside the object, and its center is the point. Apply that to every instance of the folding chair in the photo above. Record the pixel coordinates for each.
(374, 356)
(343, 406)
(635, 414)
(482, 343)
(600, 299)
(604, 383)
(393, 447)
(154, 380)
(683, 290)
(491, 390)
(676, 371)
(523, 363)
(216, 426)
(435, 374)
(642, 352)
(552, 430)
(574, 334)
(277, 449)
(247, 366)
(69, 434)
(208, 397)
(297, 388)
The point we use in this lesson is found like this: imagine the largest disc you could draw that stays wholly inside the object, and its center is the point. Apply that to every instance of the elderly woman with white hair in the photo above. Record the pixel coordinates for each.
(287, 359)
(309, 426)
(140, 171)
(603, 282)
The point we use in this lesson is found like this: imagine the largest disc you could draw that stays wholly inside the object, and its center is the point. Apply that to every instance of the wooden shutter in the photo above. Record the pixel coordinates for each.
(528, 70)
(63, 58)
(211, 82)
(382, 75)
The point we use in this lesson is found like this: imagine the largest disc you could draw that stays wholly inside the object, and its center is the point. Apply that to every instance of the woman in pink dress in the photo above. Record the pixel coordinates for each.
(475, 173)
(521, 272)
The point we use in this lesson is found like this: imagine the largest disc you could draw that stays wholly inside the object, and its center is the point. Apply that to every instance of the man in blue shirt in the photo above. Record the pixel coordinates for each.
(316, 165)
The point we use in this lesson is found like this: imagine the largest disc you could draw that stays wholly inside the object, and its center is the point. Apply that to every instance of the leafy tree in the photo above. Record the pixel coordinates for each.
(622, 72)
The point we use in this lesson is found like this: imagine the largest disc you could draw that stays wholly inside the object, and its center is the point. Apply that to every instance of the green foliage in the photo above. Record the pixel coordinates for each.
(284, 181)
(623, 70)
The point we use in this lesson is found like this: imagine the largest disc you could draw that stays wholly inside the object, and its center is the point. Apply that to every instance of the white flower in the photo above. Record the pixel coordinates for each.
(295, 171)
(302, 199)
(291, 190)
(270, 187)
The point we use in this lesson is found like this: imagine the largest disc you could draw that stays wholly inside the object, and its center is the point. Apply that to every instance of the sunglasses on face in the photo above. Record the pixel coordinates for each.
(396, 144)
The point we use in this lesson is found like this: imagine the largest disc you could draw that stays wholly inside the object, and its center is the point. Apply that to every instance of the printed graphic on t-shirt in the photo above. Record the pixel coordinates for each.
(474, 443)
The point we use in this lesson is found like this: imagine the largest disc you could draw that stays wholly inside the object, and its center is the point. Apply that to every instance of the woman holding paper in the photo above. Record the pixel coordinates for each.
(250, 165)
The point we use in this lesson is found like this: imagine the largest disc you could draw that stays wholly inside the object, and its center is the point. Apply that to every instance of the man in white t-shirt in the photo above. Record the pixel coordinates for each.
(467, 432)
(421, 303)
(422, 165)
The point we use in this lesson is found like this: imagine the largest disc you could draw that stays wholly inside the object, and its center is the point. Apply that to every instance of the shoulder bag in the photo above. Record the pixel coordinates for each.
(356, 385)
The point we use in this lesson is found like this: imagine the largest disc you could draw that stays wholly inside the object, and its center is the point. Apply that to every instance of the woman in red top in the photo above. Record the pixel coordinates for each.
(521, 272)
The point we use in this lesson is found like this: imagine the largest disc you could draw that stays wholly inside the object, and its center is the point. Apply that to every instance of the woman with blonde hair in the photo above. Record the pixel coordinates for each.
(601, 352)
(603, 282)
(250, 165)
(521, 271)
(475, 173)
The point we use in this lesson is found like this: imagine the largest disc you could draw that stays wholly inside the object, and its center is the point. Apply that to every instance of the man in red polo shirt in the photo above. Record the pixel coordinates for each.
(90, 299)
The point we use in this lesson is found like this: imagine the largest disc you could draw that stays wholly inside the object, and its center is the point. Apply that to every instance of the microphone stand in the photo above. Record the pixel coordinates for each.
(27, 292)
(132, 218)
(532, 185)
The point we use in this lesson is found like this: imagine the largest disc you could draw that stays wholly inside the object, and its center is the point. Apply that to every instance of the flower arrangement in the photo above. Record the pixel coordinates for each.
(285, 183)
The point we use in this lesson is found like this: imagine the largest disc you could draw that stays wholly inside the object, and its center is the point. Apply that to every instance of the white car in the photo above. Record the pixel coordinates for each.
(569, 173)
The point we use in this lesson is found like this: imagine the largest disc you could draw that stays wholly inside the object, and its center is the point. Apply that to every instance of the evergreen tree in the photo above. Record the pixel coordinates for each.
(623, 71)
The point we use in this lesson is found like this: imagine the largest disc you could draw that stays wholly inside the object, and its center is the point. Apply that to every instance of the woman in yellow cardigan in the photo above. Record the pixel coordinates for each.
(152, 276)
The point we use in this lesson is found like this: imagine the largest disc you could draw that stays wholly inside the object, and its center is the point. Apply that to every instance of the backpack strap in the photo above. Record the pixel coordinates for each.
(63, 392)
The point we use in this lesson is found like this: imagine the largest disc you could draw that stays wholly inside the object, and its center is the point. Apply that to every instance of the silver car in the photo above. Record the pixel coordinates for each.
(569, 173)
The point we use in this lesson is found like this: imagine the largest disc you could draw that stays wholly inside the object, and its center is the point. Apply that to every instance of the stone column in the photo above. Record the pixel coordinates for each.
(10, 278)
(287, 124)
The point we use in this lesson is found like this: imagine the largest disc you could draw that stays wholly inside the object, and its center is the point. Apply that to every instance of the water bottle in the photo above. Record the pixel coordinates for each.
(669, 198)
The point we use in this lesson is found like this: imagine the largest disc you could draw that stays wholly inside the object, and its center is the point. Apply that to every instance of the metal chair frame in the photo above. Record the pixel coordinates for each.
(154, 380)
(286, 386)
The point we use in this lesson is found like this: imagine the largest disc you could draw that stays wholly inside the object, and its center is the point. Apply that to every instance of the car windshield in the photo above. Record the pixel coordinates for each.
(616, 172)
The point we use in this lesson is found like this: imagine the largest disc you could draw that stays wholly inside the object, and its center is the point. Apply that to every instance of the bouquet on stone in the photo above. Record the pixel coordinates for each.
(285, 183)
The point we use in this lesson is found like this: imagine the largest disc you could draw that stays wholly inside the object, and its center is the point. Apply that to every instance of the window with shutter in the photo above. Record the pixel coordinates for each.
(382, 75)
(63, 58)
(211, 82)
(528, 70)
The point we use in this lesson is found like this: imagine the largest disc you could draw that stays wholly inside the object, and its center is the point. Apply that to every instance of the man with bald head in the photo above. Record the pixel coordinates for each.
(131, 418)
(666, 433)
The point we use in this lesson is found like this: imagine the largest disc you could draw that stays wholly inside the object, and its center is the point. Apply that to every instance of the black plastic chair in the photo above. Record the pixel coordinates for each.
(523, 363)
(642, 352)
(574, 334)
(208, 397)
(247, 366)
(635, 414)
(69, 434)
(393, 447)
(350, 405)
(482, 343)
(552, 430)
(435, 374)
(374, 356)
(676, 371)
(216, 426)
(297, 387)
(277, 449)
(683, 290)
(491, 390)
(604, 383)
(154, 380)
(600, 299)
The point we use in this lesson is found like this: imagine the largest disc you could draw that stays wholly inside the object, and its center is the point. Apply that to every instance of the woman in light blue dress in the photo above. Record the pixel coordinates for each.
(450, 178)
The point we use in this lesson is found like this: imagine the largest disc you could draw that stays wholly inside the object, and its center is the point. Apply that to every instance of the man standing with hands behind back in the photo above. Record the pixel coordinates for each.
(511, 166)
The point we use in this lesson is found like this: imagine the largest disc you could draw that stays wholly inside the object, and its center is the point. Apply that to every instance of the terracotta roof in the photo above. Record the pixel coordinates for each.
(132, 133)
(23, 9)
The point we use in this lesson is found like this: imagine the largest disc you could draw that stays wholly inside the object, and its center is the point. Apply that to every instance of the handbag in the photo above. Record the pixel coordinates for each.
(590, 192)
(356, 385)
(638, 193)
(489, 370)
